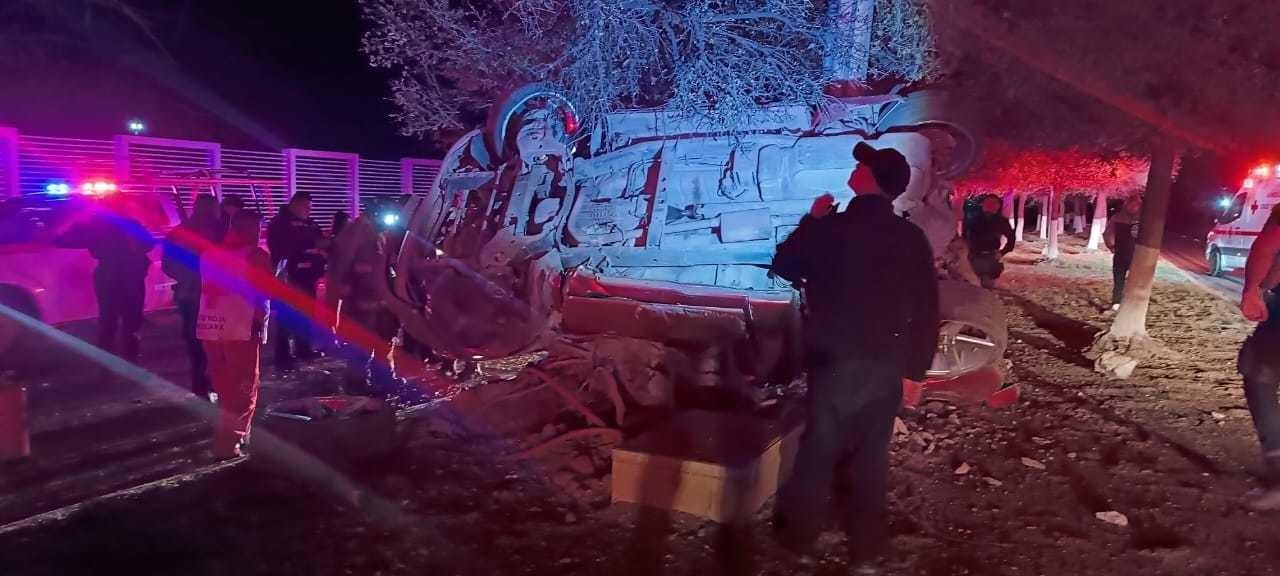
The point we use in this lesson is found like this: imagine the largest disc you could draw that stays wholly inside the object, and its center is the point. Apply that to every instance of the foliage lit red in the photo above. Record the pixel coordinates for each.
(1005, 168)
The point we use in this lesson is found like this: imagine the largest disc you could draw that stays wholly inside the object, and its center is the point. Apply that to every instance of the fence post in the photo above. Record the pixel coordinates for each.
(353, 173)
(9, 159)
(121, 164)
(406, 176)
(290, 172)
(215, 163)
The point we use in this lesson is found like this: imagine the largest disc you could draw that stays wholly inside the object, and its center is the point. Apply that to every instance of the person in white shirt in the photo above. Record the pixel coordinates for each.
(230, 324)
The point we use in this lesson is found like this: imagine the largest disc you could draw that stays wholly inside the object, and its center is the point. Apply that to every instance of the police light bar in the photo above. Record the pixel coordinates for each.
(390, 219)
(57, 189)
(97, 188)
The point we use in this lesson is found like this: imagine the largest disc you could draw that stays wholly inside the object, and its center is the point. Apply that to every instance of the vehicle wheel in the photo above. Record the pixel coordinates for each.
(16, 341)
(974, 330)
(1215, 263)
(499, 124)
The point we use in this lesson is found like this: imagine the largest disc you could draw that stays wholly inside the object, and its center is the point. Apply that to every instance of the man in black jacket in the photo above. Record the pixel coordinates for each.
(180, 259)
(983, 235)
(294, 241)
(1122, 238)
(121, 245)
(872, 320)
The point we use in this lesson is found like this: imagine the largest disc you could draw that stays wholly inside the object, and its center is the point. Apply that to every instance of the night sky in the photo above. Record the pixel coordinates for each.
(248, 73)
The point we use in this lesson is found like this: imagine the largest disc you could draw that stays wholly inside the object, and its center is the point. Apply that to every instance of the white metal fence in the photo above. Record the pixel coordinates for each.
(336, 180)
(266, 165)
(43, 160)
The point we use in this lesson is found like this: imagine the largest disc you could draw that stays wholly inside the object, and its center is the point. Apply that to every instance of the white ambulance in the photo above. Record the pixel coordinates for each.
(1241, 219)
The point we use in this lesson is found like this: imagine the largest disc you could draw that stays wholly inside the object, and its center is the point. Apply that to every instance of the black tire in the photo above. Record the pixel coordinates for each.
(497, 136)
(1215, 263)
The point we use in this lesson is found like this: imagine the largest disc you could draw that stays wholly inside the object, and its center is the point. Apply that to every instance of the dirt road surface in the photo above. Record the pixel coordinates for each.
(1083, 476)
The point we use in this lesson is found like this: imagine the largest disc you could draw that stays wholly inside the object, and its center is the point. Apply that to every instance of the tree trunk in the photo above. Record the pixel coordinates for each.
(1006, 208)
(1042, 226)
(853, 19)
(1022, 218)
(957, 210)
(1059, 215)
(1054, 209)
(1099, 222)
(1077, 215)
(1117, 351)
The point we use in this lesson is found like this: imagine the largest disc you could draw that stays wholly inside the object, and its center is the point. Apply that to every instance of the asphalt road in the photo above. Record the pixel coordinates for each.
(93, 433)
(1187, 254)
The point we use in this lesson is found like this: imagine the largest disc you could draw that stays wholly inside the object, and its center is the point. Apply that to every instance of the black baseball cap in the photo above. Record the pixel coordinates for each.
(888, 166)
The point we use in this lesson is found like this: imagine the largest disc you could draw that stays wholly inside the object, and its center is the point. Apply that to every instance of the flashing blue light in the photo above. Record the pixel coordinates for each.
(57, 189)
(390, 219)
(1224, 202)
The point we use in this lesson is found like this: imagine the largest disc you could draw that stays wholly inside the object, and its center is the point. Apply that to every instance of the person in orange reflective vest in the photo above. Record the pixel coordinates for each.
(231, 326)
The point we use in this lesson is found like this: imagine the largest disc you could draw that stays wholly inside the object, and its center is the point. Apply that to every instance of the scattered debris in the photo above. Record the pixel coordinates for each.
(1033, 463)
(963, 469)
(1115, 366)
(900, 428)
(992, 481)
(1113, 517)
(508, 368)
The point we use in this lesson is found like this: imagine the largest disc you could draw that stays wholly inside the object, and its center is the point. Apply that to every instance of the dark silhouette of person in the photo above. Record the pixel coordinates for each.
(120, 244)
(181, 261)
(983, 235)
(294, 241)
(871, 299)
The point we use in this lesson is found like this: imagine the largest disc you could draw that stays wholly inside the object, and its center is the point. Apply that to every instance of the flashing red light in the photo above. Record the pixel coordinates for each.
(570, 121)
(98, 188)
(1249, 183)
(1263, 171)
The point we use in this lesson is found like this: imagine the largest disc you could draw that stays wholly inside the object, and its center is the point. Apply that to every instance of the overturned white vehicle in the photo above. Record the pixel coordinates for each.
(649, 228)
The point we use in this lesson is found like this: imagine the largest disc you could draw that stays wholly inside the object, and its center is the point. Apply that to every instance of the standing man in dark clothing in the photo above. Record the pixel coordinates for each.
(231, 205)
(294, 241)
(983, 235)
(181, 261)
(872, 320)
(355, 269)
(340, 221)
(120, 244)
(1259, 360)
(1121, 238)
